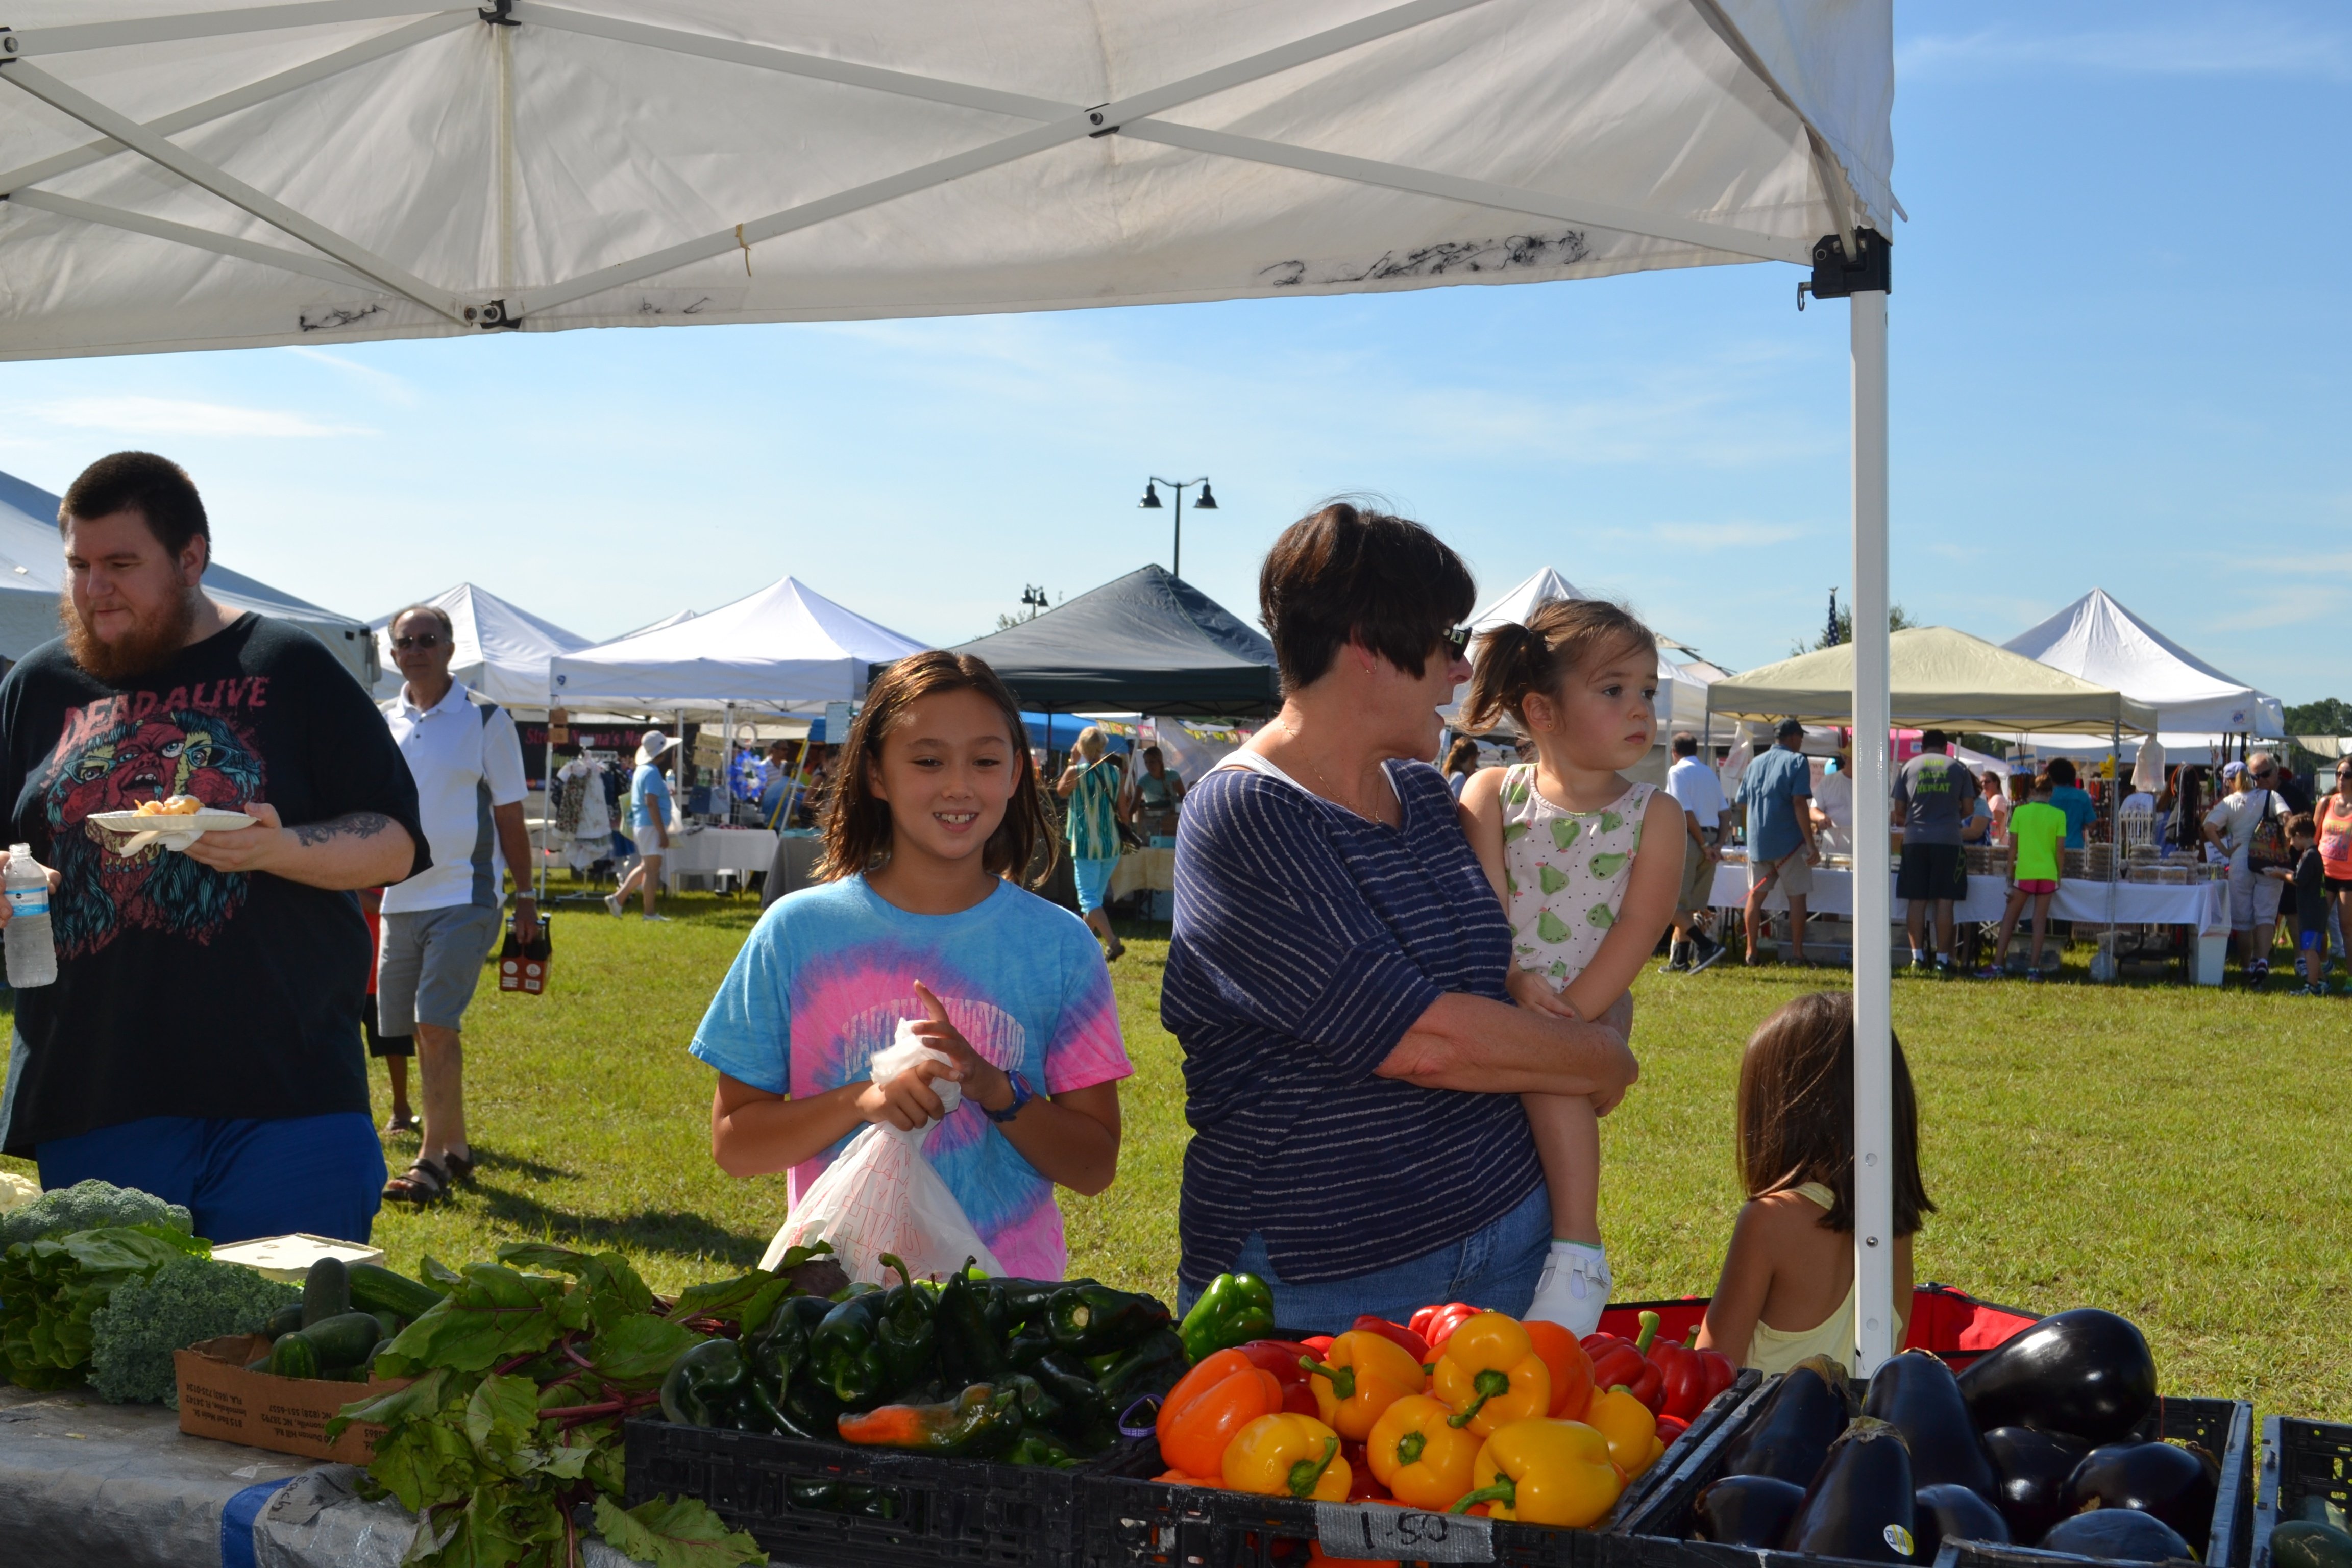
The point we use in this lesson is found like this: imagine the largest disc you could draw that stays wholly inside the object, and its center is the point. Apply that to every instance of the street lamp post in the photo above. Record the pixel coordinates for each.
(1150, 502)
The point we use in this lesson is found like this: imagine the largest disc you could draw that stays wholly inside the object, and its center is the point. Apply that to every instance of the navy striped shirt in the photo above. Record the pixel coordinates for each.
(1308, 941)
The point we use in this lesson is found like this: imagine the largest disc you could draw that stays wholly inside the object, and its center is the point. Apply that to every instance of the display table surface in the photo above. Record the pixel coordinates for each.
(2204, 906)
(1144, 870)
(84, 1484)
(742, 850)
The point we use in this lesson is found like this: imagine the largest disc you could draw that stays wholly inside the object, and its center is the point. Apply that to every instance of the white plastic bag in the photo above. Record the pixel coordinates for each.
(883, 1197)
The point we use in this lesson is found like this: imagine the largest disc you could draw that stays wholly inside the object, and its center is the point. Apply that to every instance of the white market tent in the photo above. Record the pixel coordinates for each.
(502, 652)
(2196, 705)
(787, 648)
(32, 574)
(219, 173)
(1682, 695)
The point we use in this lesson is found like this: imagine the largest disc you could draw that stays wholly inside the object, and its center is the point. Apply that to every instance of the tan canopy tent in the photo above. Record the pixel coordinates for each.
(1940, 676)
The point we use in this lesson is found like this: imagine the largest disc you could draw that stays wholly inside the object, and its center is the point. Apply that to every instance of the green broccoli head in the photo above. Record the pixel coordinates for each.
(90, 1205)
(187, 1300)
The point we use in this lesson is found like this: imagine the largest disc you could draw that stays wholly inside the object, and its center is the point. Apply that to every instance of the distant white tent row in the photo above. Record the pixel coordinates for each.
(32, 574)
(2097, 640)
(502, 652)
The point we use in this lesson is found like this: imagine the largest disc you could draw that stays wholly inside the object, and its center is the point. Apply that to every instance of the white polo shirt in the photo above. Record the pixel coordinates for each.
(467, 758)
(1695, 789)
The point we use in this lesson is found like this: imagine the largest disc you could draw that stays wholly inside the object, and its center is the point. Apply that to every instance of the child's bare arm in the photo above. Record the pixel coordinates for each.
(1482, 823)
(754, 1132)
(1648, 909)
(1739, 1292)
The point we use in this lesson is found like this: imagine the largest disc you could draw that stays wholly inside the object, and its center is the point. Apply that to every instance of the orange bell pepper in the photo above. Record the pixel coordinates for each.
(1631, 1431)
(1196, 1440)
(1544, 1472)
(1571, 1368)
(1490, 1374)
(1287, 1455)
(1206, 1373)
(1418, 1454)
(1360, 1375)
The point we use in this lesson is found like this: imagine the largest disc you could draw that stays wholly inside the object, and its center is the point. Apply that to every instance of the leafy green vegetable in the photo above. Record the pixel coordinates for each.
(51, 1290)
(90, 1205)
(674, 1534)
(187, 1300)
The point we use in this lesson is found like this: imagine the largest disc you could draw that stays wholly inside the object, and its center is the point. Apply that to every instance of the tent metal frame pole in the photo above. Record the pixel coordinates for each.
(1874, 1077)
(2114, 843)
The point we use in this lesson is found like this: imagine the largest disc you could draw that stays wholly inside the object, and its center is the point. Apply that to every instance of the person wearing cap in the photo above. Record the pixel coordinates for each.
(2230, 827)
(1781, 847)
(649, 814)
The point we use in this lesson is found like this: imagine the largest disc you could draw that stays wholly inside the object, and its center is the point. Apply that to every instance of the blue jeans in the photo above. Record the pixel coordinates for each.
(323, 1175)
(1495, 1267)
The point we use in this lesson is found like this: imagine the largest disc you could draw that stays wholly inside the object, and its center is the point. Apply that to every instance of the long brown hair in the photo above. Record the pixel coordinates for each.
(1516, 662)
(1796, 1111)
(857, 825)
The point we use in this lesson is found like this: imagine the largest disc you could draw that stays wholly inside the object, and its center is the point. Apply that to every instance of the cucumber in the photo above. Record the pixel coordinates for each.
(327, 1292)
(294, 1356)
(284, 1320)
(345, 1341)
(2300, 1543)
(374, 1288)
(384, 1321)
(260, 1365)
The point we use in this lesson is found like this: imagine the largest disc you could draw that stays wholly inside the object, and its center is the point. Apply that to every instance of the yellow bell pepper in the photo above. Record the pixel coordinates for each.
(1287, 1455)
(1544, 1472)
(1490, 1374)
(1360, 1375)
(1419, 1455)
(1632, 1431)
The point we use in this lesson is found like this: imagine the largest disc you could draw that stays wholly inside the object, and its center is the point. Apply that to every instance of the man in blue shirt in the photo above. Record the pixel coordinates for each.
(1781, 848)
(2073, 799)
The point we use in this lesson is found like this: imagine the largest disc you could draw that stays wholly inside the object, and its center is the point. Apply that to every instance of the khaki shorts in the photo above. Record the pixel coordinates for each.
(1698, 876)
(1794, 872)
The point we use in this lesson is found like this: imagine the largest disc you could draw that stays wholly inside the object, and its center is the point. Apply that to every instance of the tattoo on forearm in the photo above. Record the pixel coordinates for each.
(353, 824)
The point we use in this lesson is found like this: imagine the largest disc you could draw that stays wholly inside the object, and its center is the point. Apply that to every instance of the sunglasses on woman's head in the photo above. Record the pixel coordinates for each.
(1456, 642)
(418, 639)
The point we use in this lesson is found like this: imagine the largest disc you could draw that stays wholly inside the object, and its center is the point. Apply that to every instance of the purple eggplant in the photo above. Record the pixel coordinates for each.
(1860, 1506)
(2086, 1373)
(2175, 1483)
(1948, 1512)
(2032, 1470)
(1917, 1392)
(1792, 1433)
(1747, 1511)
(2119, 1534)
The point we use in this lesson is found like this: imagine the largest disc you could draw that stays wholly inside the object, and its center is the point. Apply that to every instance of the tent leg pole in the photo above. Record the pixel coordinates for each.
(1873, 1083)
(2115, 845)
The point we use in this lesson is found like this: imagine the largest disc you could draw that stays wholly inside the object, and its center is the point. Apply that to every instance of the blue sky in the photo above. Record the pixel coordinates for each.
(2120, 339)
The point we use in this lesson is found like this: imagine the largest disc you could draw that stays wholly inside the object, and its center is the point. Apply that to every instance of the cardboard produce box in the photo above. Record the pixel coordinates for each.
(218, 1398)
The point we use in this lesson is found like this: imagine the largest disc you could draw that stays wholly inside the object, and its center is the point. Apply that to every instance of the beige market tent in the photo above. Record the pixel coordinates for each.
(1940, 677)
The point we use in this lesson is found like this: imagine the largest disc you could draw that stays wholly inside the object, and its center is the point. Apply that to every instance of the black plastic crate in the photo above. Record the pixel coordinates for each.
(1135, 1523)
(2301, 1460)
(812, 1504)
(1656, 1532)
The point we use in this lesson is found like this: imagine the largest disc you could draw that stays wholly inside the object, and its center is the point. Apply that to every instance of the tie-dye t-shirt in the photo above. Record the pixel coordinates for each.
(828, 972)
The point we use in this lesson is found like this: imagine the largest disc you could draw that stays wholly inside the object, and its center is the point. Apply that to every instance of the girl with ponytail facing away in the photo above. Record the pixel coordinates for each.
(1562, 841)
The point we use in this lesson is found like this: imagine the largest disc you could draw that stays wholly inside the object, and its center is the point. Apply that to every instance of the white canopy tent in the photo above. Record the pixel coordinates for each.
(2197, 707)
(32, 572)
(1682, 693)
(786, 648)
(502, 652)
(233, 175)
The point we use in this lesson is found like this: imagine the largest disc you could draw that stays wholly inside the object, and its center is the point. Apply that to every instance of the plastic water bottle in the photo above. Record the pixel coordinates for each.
(32, 951)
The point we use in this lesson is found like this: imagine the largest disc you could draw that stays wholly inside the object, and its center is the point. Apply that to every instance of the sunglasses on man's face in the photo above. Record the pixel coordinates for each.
(418, 639)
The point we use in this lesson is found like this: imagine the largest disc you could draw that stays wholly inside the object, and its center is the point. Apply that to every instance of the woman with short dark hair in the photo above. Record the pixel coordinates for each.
(1336, 977)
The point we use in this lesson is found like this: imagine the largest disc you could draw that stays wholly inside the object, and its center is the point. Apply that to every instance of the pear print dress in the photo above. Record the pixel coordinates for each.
(1565, 872)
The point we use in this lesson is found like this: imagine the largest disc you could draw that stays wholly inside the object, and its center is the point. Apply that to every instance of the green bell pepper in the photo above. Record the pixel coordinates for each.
(1088, 1320)
(1234, 1310)
(704, 1387)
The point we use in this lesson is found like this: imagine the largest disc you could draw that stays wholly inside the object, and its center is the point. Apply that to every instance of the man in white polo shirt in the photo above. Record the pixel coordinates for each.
(438, 926)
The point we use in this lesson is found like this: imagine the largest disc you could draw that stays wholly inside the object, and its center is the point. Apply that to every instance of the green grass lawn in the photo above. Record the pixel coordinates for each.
(2157, 1150)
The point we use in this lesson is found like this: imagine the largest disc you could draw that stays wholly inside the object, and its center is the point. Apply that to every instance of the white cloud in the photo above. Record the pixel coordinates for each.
(2233, 42)
(177, 416)
(391, 388)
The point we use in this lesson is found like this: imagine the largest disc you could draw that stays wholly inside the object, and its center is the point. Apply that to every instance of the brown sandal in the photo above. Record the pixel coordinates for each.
(399, 1123)
(424, 1182)
(459, 1166)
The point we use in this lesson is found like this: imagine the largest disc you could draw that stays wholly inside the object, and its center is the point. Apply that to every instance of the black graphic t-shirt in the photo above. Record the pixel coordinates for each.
(182, 991)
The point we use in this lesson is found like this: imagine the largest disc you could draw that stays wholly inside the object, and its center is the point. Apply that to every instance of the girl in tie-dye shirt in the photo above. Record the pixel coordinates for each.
(936, 804)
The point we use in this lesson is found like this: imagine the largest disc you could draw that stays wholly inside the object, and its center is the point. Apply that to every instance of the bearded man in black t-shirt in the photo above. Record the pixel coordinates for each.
(202, 1039)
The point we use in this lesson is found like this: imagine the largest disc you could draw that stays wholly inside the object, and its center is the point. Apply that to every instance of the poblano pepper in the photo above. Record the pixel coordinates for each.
(1092, 1319)
(845, 1353)
(981, 1421)
(904, 1330)
(1088, 1419)
(970, 1349)
(1151, 1367)
(1024, 1301)
(1234, 1310)
(704, 1387)
(1036, 1448)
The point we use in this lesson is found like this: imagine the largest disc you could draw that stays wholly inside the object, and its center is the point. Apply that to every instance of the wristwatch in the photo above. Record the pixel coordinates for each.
(1022, 1095)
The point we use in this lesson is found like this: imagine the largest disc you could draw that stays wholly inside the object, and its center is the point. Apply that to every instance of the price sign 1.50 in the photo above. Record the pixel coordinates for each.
(1357, 1530)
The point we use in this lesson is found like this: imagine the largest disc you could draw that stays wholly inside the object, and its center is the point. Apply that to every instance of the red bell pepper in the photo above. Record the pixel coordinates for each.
(1412, 1342)
(1618, 1362)
(1435, 1325)
(1281, 1357)
(1691, 1376)
(1670, 1428)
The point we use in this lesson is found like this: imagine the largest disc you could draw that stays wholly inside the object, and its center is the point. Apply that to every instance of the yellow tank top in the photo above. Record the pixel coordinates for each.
(1773, 1350)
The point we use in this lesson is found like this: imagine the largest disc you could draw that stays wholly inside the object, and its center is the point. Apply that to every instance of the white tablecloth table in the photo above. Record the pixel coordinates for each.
(1143, 870)
(742, 850)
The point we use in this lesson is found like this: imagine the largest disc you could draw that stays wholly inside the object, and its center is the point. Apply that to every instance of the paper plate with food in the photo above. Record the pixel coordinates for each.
(174, 822)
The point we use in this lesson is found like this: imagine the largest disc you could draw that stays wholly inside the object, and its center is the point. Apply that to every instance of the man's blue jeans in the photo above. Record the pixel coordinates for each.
(1495, 1267)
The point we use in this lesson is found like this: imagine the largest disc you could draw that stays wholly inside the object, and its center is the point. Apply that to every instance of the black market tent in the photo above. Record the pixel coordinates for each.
(1145, 643)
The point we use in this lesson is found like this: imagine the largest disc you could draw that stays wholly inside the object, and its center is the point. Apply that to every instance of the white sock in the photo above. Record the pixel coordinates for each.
(1943, 958)
(1918, 957)
(1574, 1287)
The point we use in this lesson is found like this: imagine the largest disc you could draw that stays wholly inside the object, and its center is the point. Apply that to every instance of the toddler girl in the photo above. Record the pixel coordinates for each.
(1787, 1285)
(1561, 839)
(935, 807)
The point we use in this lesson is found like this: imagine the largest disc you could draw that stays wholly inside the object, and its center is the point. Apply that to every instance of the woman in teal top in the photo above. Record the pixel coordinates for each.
(1091, 786)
